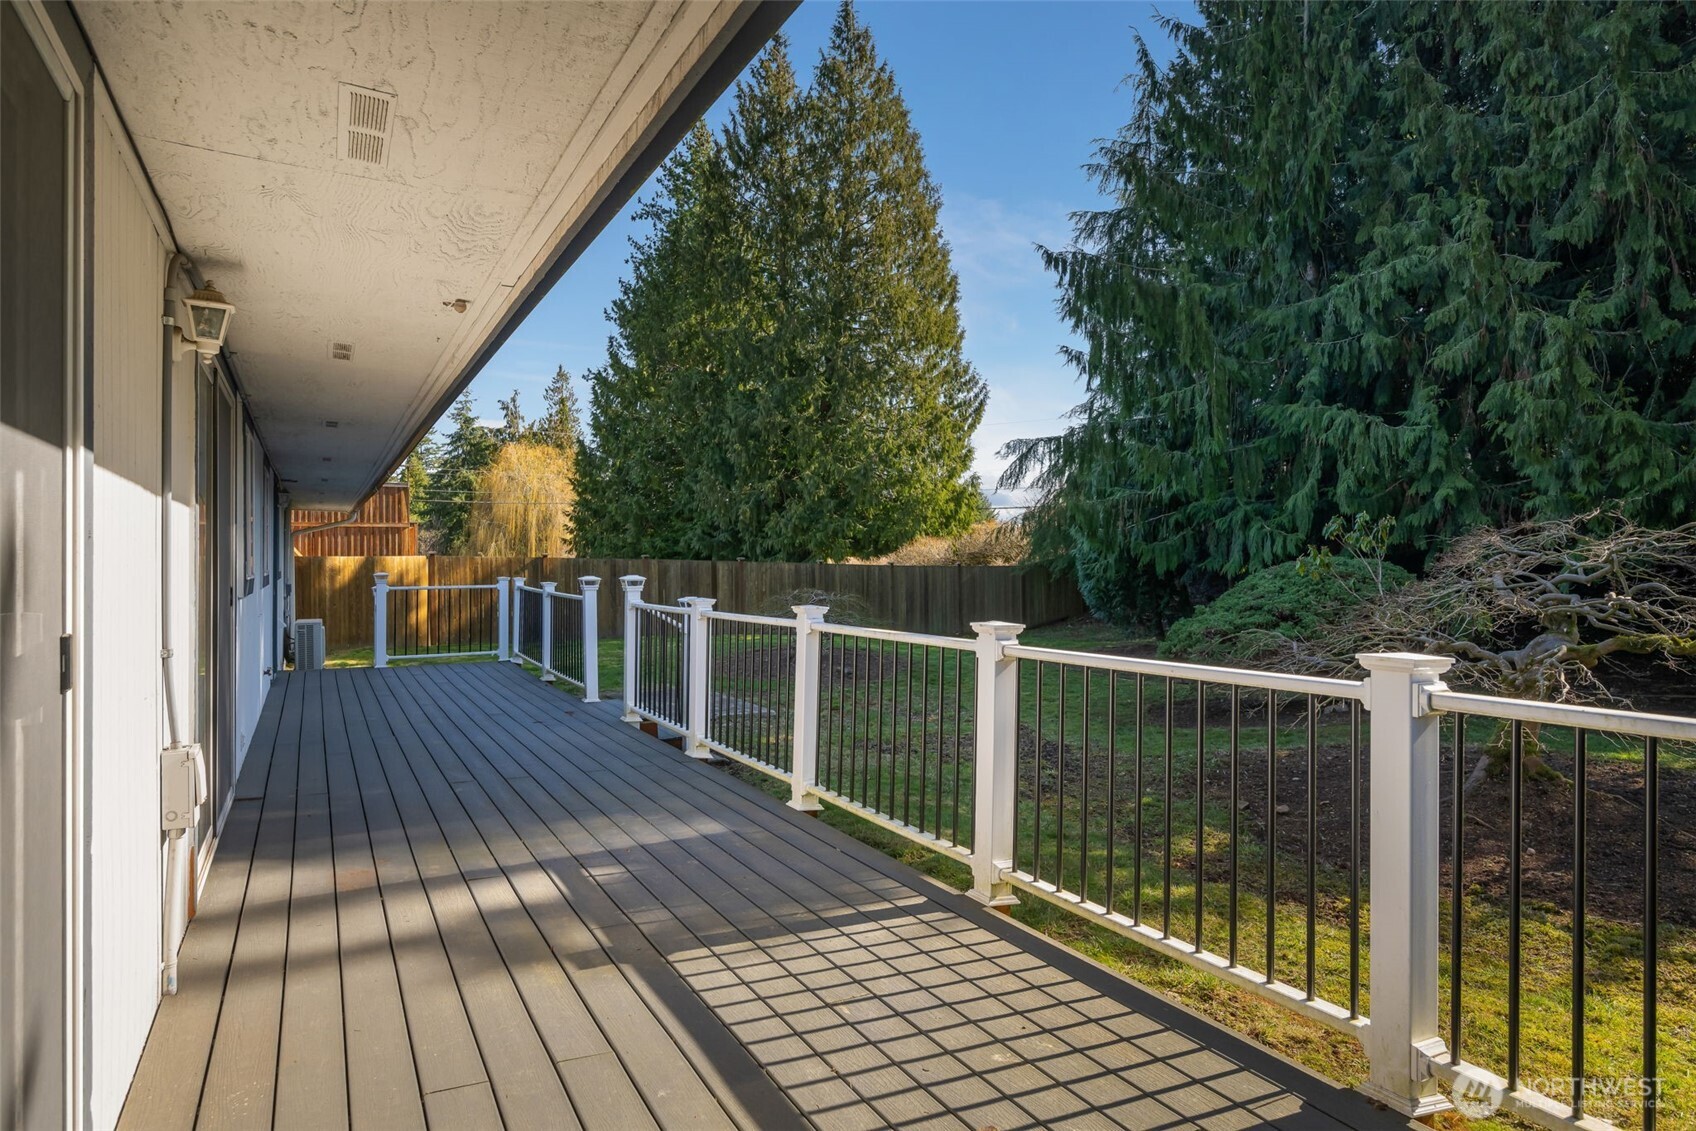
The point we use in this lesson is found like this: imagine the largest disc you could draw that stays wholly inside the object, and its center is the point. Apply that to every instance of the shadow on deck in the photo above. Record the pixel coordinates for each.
(450, 896)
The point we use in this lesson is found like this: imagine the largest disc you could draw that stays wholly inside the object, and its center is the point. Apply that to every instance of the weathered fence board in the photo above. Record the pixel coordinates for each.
(943, 599)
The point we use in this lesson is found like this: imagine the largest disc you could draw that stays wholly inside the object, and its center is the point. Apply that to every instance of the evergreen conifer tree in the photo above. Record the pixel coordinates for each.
(635, 478)
(469, 448)
(796, 307)
(1426, 261)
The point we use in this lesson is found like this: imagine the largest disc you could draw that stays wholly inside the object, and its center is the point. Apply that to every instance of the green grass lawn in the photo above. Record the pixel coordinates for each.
(865, 755)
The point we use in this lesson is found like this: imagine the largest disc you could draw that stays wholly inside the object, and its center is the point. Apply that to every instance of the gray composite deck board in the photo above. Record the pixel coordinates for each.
(849, 1037)
(451, 896)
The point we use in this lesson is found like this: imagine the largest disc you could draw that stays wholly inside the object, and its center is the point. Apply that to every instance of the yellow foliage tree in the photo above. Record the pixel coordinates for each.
(522, 503)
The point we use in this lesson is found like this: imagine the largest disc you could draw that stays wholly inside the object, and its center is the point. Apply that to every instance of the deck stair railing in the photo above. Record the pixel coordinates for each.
(557, 632)
(413, 622)
(509, 620)
(1284, 833)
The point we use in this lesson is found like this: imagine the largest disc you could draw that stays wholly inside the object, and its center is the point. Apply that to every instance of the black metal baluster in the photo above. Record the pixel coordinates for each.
(1457, 886)
(1236, 711)
(759, 713)
(1200, 807)
(1580, 777)
(869, 716)
(1060, 786)
(873, 792)
(768, 694)
(924, 738)
(907, 763)
(1354, 858)
(1036, 778)
(1166, 817)
(1136, 788)
(1083, 798)
(850, 652)
(1112, 781)
(1516, 813)
(1312, 847)
(1651, 928)
(1271, 834)
(959, 663)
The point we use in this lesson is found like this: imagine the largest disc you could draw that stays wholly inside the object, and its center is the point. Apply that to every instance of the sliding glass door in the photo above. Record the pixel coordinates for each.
(214, 470)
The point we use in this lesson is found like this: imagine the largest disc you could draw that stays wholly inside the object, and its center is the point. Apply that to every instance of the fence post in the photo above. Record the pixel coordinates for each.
(632, 584)
(804, 760)
(695, 679)
(1402, 816)
(590, 587)
(517, 621)
(994, 769)
(380, 621)
(503, 617)
(547, 656)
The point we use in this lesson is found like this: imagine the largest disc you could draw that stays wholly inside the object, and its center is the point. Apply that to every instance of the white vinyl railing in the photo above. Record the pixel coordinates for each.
(437, 622)
(508, 620)
(1009, 757)
(558, 632)
(1197, 830)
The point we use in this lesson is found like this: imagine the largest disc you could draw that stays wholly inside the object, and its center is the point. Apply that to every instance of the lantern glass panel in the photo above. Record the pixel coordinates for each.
(209, 323)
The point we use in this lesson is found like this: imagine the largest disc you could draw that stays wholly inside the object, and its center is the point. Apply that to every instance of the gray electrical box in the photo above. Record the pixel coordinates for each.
(308, 645)
(182, 784)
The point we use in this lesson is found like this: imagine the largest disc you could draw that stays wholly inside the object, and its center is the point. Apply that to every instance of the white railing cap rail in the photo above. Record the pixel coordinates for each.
(565, 594)
(1236, 677)
(964, 643)
(1677, 728)
(398, 588)
(657, 608)
(749, 618)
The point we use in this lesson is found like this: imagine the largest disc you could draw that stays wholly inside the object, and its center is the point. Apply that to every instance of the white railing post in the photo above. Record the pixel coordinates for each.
(632, 585)
(994, 771)
(380, 621)
(804, 759)
(590, 587)
(698, 640)
(503, 615)
(1402, 815)
(517, 621)
(547, 656)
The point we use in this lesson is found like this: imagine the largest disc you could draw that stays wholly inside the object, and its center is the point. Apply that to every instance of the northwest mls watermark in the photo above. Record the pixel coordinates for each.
(1477, 1097)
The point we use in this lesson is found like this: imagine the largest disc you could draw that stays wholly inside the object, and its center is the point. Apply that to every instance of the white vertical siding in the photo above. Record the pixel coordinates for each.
(124, 875)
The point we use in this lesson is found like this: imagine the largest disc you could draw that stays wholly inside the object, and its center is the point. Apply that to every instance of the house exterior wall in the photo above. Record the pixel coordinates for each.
(130, 430)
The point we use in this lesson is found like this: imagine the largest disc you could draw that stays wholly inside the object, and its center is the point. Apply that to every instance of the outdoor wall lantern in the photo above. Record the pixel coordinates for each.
(208, 319)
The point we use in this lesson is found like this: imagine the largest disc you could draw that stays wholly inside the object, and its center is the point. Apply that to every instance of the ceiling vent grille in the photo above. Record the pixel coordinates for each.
(367, 123)
(341, 351)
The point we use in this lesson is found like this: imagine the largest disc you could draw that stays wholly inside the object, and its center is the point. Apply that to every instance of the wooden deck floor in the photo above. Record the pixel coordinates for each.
(450, 896)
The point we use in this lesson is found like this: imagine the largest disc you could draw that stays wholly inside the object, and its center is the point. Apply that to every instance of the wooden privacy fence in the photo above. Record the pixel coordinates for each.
(939, 599)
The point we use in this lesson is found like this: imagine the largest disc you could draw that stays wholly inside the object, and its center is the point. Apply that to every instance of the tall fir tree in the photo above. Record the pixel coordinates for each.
(1426, 261)
(639, 478)
(796, 308)
(888, 397)
(468, 449)
(560, 425)
(415, 474)
(513, 425)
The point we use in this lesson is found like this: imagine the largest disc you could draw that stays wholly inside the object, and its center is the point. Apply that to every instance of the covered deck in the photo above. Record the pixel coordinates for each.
(450, 896)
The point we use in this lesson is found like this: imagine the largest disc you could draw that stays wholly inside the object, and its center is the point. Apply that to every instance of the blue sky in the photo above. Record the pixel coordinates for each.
(1009, 98)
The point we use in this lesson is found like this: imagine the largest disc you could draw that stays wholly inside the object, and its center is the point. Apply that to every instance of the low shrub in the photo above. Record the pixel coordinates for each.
(986, 543)
(1266, 610)
(845, 608)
